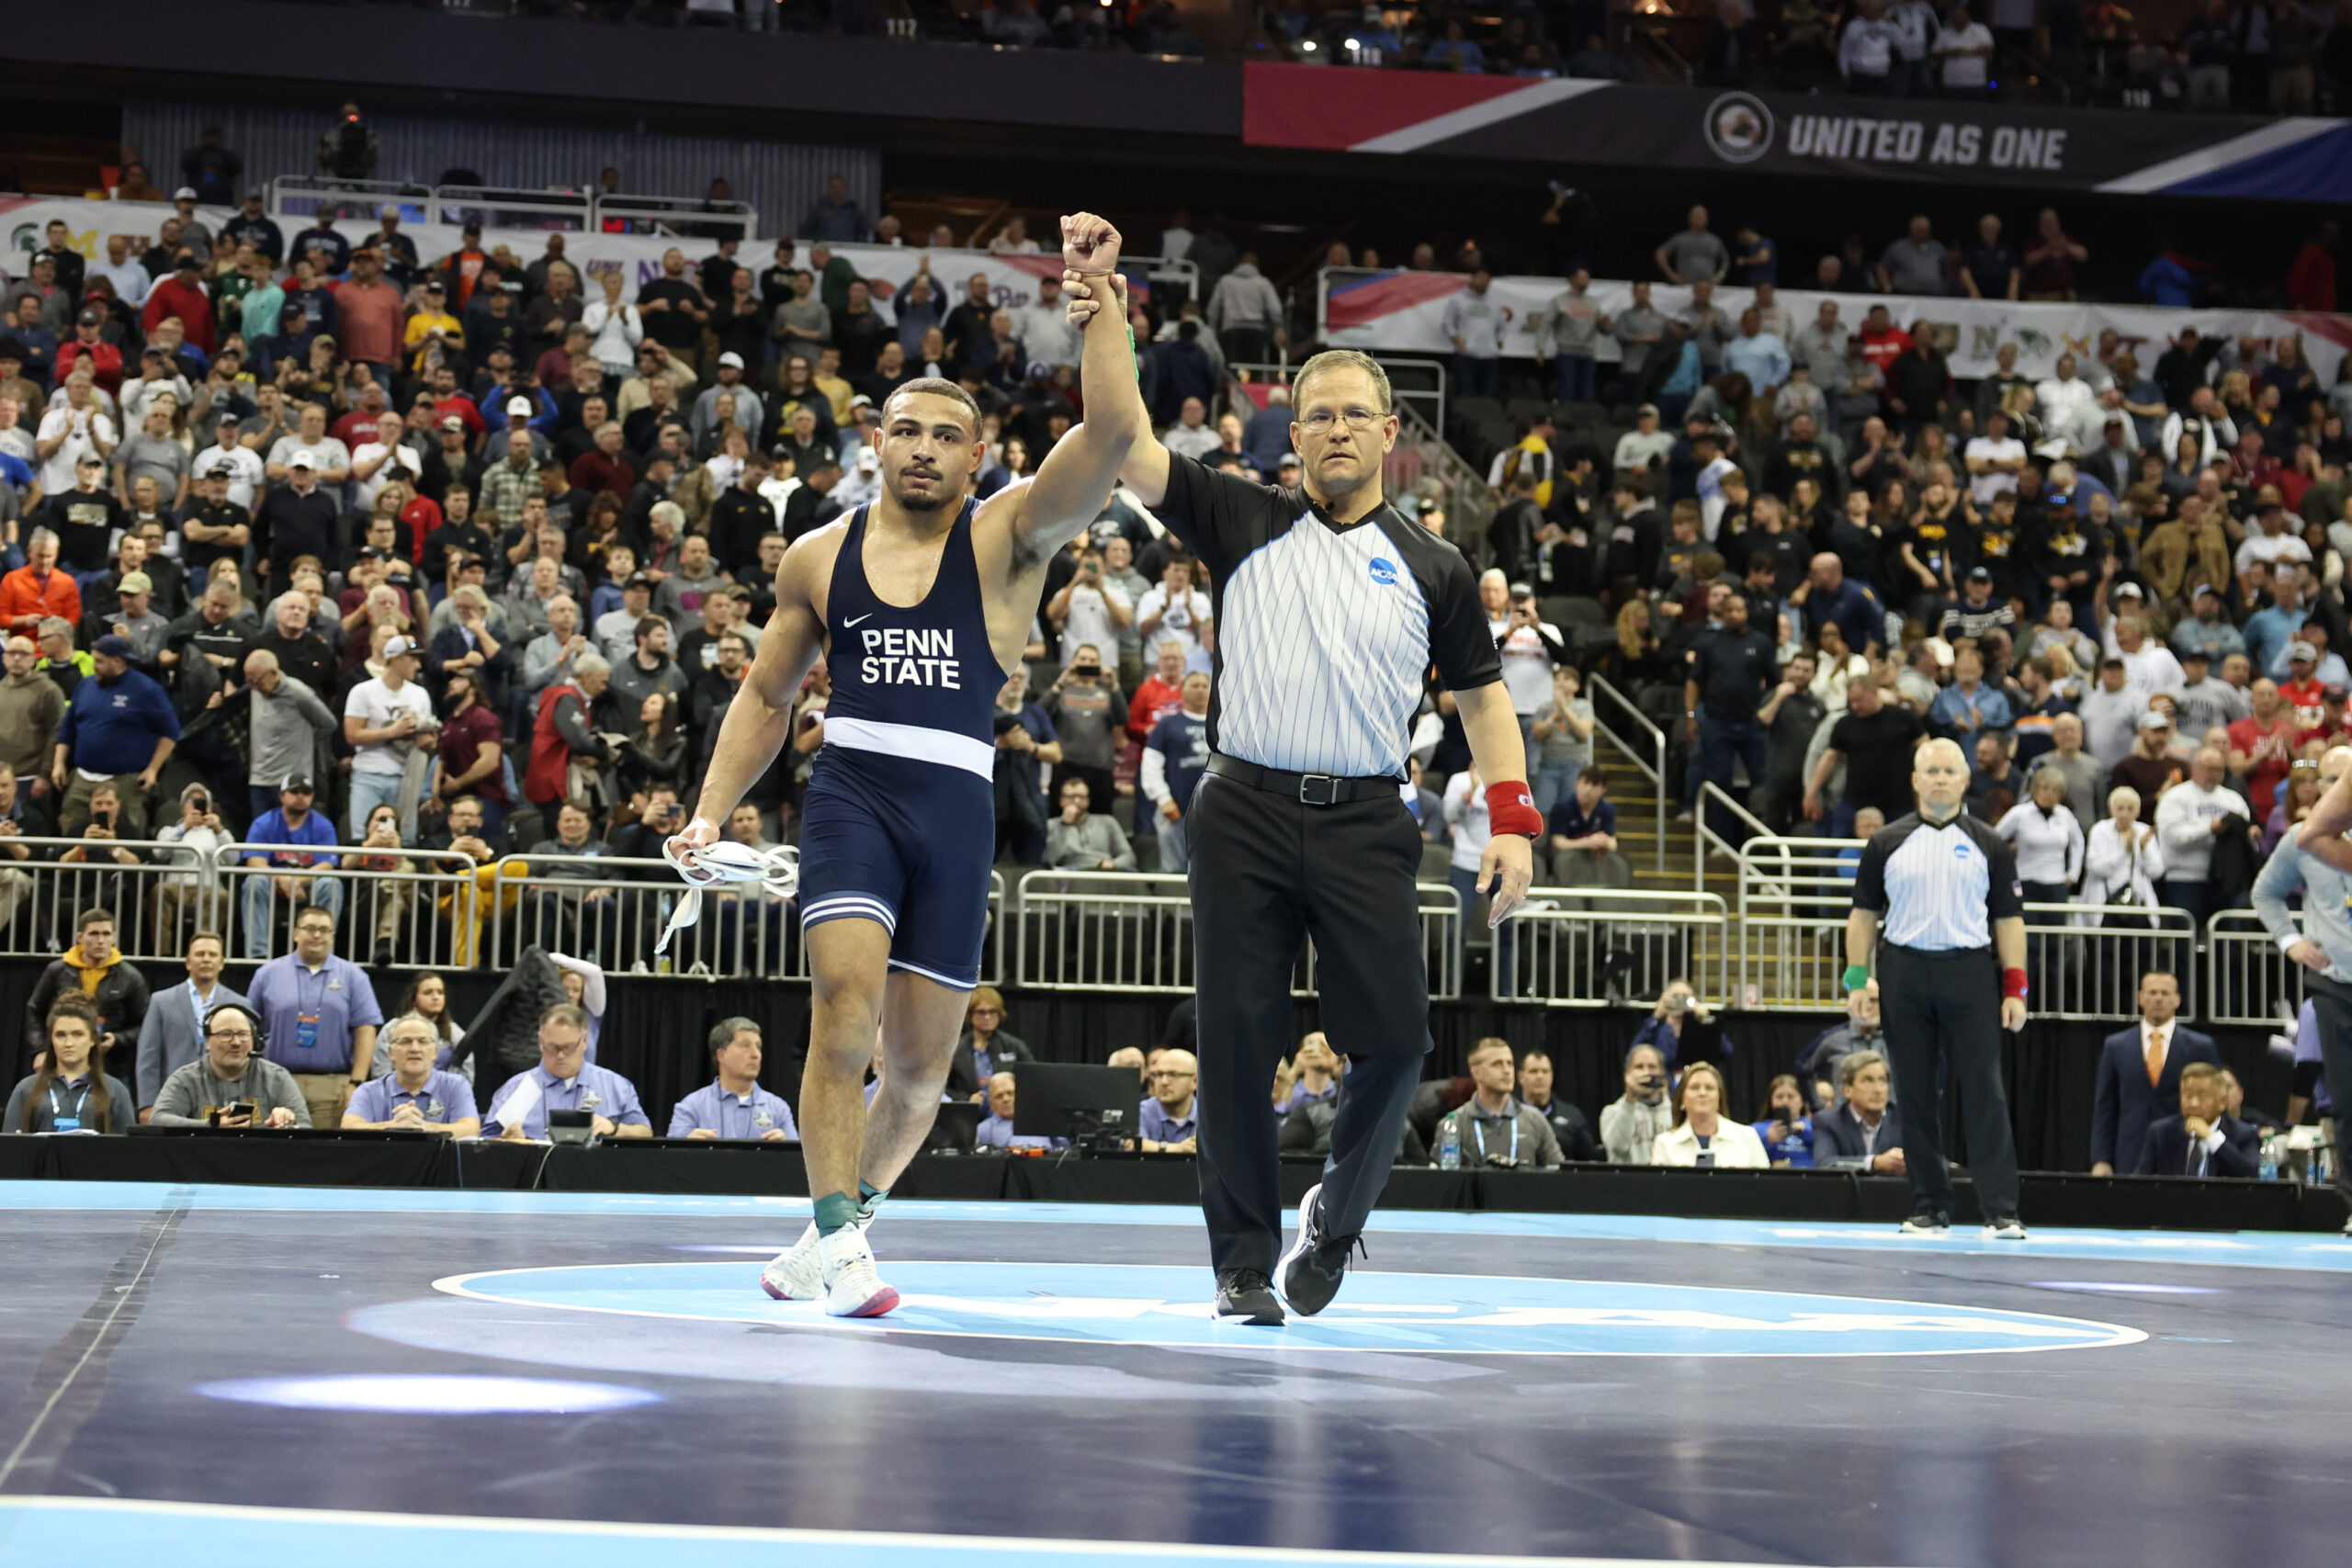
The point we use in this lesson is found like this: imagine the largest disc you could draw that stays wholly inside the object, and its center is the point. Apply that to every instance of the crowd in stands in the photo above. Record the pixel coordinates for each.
(370, 559)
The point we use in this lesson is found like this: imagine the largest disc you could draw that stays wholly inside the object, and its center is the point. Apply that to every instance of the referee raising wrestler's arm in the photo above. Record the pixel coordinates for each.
(1330, 606)
(1935, 895)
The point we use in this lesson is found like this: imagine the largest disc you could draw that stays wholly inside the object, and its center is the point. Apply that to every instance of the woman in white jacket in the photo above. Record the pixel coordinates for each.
(615, 326)
(2047, 839)
(2123, 862)
(1701, 1136)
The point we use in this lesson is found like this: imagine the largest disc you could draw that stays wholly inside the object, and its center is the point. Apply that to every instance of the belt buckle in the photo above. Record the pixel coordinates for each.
(1306, 790)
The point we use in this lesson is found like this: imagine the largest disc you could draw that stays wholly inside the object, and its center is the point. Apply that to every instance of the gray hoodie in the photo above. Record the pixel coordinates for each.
(286, 731)
(1244, 299)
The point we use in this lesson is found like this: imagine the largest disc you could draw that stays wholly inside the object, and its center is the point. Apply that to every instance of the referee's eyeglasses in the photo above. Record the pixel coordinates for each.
(1320, 422)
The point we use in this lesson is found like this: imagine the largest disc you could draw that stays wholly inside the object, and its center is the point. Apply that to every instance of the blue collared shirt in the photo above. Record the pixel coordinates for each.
(712, 1109)
(444, 1098)
(308, 1015)
(596, 1089)
(997, 1132)
(1302, 1096)
(1160, 1127)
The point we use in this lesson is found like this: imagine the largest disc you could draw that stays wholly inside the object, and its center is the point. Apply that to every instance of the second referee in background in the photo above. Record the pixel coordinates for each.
(1936, 893)
(1330, 607)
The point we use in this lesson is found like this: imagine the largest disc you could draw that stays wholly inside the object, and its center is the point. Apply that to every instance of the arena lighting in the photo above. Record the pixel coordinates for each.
(397, 1394)
(1308, 47)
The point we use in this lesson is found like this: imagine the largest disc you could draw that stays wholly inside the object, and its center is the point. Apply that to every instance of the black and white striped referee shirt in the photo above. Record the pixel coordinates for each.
(1324, 632)
(1937, 890)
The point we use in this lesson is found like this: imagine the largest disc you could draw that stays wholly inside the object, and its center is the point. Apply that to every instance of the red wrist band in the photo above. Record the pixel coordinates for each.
(2013, 984)
(1510, 809)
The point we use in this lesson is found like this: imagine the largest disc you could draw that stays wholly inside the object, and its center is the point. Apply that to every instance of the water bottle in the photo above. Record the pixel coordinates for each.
(2270, 1157)
(1449, 1144)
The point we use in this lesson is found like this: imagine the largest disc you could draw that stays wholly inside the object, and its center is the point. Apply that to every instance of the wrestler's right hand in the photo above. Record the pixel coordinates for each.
(699, 834)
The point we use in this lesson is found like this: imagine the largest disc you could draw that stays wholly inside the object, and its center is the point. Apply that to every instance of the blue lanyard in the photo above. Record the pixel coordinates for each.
(57, 1112)
(1480, 1123)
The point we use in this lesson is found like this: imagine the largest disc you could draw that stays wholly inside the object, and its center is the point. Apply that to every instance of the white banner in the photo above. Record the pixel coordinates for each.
(1405, 313)
(1013, 280)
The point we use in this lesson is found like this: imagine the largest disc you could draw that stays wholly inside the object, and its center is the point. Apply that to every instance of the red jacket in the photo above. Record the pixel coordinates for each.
(192, 305)
(545, 779)
(1152, 699)
(105, 362)
(25, 599)
(2311, 285)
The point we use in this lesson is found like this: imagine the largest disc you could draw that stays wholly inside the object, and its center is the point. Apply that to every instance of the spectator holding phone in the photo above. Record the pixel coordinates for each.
(1677, 1007)
(1785, 1129)
(1630, 1126)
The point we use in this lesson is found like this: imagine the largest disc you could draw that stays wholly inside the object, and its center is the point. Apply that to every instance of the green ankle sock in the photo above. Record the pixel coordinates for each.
(835, 1212)
(869, 1198)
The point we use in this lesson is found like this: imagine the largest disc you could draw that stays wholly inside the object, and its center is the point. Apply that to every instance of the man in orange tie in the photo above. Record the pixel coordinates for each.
(2139, 1074)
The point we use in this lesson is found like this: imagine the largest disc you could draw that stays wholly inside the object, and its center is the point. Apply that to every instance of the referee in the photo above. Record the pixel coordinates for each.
(1940, 889)
(1330, 608)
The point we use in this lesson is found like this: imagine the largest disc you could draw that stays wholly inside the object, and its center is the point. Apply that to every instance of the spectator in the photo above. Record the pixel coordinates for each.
(119, 728)
(986, 1046)
(1167, 1121)
(2150, 767)
(1492, 1126)
(2190, 818)
(2047, 839)
(1245, 313)
(2202, 1138)
(1701, 1136)
(1474, 325)
(1569, 1129)
(1873, 742)
(1675, 1008)
(2139, 1075)
(565, 1080)
(1916, 263)
(71, 1091)
(577, 913)
(1088, 715)
(2049, 264)
(1177, 611)
(389, 723)
(171, 1037)
(1175, 755)
(1784, 1128)
(733, 1105)
(319, 1016)
(217, 1089)
(1865, 1132)
(1963, 52)
(835, 216)
(1689, 256)
(1310, 1078)
(95, 968)
(995, 1130)
(289, 876)
(1631, 1124)
(1082, 840)
(415, 1095)
(1968, 707)
(2122, 861)
(36, 591)
(1561, 738)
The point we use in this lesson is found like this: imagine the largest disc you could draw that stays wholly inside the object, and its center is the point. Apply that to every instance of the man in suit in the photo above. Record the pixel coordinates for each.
(2139, 1074)
(2204, 1139)
(1864, 1132)
(172, 1035)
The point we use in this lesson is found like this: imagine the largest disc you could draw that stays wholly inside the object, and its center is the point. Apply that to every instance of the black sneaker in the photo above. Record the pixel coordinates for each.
(1244, 1295)
(2004, 1227)
(1927, 1223)
(1316, 1263)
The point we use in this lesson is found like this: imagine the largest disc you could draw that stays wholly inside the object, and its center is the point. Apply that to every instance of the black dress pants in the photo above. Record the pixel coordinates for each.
(1268, 872)
(2332, 1006)
(1944, 1010)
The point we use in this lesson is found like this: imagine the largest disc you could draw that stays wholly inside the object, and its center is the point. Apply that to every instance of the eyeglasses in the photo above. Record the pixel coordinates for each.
(1320, 422)
(988, 1012)
(1177, 1077)
(244, 1034)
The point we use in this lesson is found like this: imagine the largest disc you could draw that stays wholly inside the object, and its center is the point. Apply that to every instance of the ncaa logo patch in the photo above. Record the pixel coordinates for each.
(1383, 572)
(1963, 850)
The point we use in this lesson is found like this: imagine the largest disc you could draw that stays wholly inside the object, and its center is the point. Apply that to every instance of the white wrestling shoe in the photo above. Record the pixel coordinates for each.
(794, 1275)
(853, 1288)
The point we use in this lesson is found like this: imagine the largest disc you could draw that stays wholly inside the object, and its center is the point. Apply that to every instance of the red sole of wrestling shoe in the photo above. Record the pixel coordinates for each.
(879, 1304)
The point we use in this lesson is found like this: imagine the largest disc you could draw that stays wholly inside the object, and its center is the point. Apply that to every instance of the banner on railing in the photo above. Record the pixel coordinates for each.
(1012, 280)
(1404, 312)
(1578, 121)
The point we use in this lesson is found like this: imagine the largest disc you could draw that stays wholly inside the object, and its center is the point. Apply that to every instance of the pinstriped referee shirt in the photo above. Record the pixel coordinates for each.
(1937, 890)
(1324, 632)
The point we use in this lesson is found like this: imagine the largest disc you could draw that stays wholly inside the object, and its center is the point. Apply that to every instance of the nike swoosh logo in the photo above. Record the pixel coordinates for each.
(854, 619)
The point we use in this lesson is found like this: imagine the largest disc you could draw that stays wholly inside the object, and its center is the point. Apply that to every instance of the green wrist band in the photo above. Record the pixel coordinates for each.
(1857, 977)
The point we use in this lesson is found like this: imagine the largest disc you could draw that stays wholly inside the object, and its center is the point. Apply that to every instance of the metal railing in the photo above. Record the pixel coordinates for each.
(2248, 979)
(555, 209)
(1600, 947)
(1129, 932)
(1709, 841)
(1651, 767)
(2084, 959)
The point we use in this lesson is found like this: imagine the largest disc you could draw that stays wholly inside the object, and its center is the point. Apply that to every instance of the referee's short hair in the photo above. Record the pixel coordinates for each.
(1335, 359)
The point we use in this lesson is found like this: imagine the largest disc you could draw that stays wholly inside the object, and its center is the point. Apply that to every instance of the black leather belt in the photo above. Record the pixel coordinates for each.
(1307, 789)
